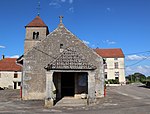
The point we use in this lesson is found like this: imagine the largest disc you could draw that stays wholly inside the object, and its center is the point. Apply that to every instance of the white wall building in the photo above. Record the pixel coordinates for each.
(10, 73)
(114, 67)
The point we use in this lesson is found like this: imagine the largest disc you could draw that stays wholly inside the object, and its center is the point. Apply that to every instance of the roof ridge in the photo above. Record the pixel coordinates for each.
(110, 52)
(9, 64)
(107, 48)
(36, 22)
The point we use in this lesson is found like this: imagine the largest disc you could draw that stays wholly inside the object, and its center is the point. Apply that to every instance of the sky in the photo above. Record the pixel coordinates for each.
(121, 24)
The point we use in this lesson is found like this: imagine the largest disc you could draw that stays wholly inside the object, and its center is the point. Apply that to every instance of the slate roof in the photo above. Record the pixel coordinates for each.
(110, 53)
(69, 59)
(36, 22)
(9, 64)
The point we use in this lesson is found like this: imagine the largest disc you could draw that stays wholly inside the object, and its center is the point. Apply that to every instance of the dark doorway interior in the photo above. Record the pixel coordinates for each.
(67, 84)
(15, 85)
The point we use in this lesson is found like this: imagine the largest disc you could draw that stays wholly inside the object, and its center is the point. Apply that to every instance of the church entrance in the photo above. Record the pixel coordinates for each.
(67, 84)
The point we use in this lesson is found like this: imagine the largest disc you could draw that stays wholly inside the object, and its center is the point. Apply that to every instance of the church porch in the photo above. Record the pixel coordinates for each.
(72, 85)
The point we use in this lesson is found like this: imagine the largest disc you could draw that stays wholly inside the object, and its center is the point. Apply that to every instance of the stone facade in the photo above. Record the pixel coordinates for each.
(29, 41)
(8, 79)
(61, 53)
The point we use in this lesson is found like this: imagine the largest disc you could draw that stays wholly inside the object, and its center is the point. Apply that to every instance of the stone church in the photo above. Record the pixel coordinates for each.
(58, 64)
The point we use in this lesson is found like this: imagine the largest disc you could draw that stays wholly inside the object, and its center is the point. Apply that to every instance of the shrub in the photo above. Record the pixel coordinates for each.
(112, 81)
(148, 83)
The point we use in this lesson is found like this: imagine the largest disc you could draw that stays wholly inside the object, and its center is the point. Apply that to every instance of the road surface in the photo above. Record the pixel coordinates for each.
(128, 99)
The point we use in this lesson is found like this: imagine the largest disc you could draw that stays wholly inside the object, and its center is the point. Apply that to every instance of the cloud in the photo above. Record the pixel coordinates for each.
(55, 4)
(140, 69)
(14, 56)
(71, 9)
(146, 66)
(93, 46)
(61, 3)
(109, 42)
(135, 57)
(2, 46)
(63, 0)
(86, 42)
(108, 9)
(70, 1)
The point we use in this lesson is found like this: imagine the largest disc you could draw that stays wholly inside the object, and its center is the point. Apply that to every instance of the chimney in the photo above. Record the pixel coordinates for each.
(3, 56)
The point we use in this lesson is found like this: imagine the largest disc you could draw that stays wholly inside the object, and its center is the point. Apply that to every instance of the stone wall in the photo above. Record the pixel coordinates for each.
(34, 76)
(29, 41)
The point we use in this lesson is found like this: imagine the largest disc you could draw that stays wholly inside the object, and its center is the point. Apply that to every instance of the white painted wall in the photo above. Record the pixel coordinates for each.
(7, 79)
(111, 69)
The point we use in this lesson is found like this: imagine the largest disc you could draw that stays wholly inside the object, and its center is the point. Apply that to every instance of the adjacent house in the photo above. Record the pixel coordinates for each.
(10, 73)
(58, 64)
(114, 67)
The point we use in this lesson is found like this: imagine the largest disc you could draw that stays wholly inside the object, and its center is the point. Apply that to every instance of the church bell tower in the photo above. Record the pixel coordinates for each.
(36, 31)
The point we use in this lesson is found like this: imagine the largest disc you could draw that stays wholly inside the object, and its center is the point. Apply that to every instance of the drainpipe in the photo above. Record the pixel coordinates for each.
(105, 90)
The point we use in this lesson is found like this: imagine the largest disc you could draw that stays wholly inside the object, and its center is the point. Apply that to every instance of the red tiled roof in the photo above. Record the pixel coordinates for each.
(110, 53)
(9, 64)
(36, 22)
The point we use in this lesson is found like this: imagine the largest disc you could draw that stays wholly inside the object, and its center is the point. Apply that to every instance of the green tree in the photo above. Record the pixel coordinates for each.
(148, 78)
(136, 77)
(140, 77)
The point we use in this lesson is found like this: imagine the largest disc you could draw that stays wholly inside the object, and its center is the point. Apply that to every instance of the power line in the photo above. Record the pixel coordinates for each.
(144, 58)
(138, 53)
(138, 62)
(125, 66)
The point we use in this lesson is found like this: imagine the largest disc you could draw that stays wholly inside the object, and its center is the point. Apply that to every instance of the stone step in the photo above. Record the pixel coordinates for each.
(71, 101)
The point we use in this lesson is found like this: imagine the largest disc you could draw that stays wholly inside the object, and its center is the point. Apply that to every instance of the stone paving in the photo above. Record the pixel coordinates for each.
(119, 100)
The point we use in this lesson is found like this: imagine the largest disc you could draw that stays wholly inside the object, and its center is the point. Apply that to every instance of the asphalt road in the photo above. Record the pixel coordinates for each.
(128, 99)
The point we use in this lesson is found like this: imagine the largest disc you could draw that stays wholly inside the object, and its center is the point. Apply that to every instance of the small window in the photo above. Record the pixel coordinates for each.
(19, 83)
(15, 75)
(105, 75)
(116, 65)
(15, 85)
(116, 74)
(61, 46)
(104, 60)
(35, 35)
(115, 58)
(116, 78)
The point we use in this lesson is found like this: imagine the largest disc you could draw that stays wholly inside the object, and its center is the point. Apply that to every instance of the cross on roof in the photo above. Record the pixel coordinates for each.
(61, 17)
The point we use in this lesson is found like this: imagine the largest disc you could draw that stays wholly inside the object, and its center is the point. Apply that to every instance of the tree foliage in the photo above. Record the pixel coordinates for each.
(148, 78)
(112, 81)
(136, 77)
